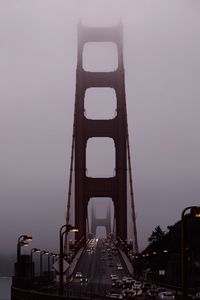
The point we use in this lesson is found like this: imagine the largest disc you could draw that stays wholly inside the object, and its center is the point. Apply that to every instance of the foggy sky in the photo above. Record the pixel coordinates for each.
(38, 48)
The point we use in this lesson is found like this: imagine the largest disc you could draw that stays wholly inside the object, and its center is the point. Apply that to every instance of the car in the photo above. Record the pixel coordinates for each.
(84, 280)
(124, 278)
(128, 282)
(114, 295)
(160, 290)
(119, 267)
(196, 296)
(167, 295)
(152, 292)
(137, 285)
(137, 291)
(127, 285)
(78, 275)
(113, 277)
(146, 286)
(128, 279)
(128, 293)
(117, 283)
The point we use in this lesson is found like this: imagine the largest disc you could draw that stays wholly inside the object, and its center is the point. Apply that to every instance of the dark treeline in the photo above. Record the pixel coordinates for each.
(164, 254)
(171, 240)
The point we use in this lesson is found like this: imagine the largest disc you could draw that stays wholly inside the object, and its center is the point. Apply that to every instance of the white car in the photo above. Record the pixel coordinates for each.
(78, 275)
(119, 267)
(114, 295)
(137, 285)
(137, 291)
(128, 280)
(114, 277)
(167, 295)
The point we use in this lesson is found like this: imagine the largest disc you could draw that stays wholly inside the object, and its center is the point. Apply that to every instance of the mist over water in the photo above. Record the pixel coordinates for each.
(38, 41)
(5, 286)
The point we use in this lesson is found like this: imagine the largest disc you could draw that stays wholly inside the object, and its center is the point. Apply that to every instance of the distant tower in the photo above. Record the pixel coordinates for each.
(104, 222)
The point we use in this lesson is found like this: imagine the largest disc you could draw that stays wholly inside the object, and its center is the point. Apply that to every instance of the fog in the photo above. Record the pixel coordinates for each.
(38, 56)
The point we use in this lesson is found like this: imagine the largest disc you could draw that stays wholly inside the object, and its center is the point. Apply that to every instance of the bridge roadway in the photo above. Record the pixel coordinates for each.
(99, 260)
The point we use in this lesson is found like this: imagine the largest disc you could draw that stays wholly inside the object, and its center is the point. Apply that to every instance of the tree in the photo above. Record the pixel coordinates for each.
(156, 236)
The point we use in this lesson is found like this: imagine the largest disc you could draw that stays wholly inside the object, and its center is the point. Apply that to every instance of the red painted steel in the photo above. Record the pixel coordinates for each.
(114, 187)
(117, 128)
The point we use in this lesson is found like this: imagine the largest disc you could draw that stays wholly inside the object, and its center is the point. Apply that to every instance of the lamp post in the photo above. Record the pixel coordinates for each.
(41, 254)
(53, 257)
(49, 254)
(194, 211)
(23, 240)
(63, 230)
(33, 250)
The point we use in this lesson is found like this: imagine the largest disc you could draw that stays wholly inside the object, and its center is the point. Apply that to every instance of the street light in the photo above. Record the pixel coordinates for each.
(33, 250)
(23, 241)
(49, 254)
(41, 254)
(53, 258)
(53, 255)
(194, 211)
(63, 230)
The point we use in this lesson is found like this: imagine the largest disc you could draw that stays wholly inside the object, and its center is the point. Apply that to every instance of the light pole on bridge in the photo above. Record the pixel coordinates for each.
(63, 230)
(22, 241)
(33, 250)
(194, 211)
(41, 267)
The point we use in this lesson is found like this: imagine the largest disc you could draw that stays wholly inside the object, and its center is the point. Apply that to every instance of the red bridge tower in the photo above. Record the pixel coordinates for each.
(113, 187)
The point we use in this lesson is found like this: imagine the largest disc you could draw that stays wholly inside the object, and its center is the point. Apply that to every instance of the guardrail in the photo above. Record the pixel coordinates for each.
(21, 294)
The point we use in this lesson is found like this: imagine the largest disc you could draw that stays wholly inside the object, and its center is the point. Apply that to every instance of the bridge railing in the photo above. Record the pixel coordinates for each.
(21, 294)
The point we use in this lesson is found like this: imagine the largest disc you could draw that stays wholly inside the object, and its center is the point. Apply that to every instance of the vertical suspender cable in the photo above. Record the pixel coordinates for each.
(70, 184)
(114, 223)
(87, 224)
(131, 186)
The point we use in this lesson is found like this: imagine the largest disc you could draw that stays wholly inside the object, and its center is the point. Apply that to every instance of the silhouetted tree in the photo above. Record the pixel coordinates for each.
(157, 235)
